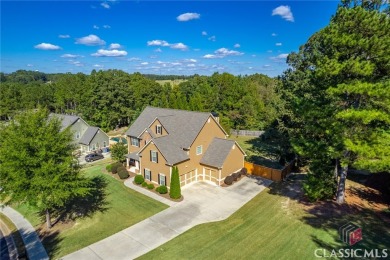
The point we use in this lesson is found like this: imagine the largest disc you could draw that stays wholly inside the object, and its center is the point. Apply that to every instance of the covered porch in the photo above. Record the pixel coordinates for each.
(132, 162)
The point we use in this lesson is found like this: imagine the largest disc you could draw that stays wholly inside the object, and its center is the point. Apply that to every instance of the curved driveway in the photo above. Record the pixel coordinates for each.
(202, 203)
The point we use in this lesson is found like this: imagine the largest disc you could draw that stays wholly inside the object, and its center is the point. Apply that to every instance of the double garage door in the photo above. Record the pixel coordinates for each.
(205, 174)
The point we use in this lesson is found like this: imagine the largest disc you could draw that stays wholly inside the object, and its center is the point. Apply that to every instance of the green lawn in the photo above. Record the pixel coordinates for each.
(124, 208)
(273, 226)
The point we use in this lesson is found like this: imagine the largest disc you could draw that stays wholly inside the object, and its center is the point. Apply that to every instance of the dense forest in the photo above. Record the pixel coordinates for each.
(115, 98)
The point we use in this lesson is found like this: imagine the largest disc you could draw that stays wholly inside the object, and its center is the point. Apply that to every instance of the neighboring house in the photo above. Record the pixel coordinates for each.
(193, 141)
(87, 138)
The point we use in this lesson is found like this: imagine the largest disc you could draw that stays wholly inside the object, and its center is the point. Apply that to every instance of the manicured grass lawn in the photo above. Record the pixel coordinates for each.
(124, 208)
(274, 226)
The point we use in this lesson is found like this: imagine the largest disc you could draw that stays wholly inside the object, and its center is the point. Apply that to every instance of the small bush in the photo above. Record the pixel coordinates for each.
(120, 168)
(109, 167)
(234, 175)
(228, 180)
(150, 186)
(122, 173)
(162, 189)
(244, 171)
(144, 184)
(139, 179)
(238, 174)
(115, 166)
(175, 190)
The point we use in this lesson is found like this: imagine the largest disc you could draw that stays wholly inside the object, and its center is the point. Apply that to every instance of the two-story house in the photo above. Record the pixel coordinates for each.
(193, 141)
(87, 138)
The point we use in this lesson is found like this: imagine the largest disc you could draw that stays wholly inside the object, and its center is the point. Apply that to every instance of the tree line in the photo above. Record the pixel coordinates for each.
(113, 98)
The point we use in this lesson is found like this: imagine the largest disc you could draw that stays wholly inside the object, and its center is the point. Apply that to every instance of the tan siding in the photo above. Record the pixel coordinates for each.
(234, 161)
(153, 128)
(132, 149)
(145, 138)
(155, 168)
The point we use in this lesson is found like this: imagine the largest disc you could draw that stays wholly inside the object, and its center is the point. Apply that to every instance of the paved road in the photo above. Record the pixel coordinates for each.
(202, 203)
(34, 247)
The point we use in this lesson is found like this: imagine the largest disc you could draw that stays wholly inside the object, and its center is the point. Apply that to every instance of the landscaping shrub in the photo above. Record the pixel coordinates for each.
(238, 174)
(115, 166)
(139, 179)
(122, 173)
(175, 191)
(234, 175)
(109, 167)
(150, 186)
(244, 171)
(120, 168)
(162, 189)
(228, 180)
(144, 184)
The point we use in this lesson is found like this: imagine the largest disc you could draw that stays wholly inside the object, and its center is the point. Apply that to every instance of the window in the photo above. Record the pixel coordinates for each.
(154, 156)
(134, 141)
(162, 179)
(148, 174)
(78, 135)
(198, 150)
(104, 144)
(158, 129)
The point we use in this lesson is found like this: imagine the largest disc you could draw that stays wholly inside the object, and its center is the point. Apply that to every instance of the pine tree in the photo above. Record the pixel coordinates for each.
(175, 190)
(37, 165)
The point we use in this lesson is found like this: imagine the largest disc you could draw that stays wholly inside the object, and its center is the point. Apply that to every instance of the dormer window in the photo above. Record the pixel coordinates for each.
(158, 129)
(199, 150)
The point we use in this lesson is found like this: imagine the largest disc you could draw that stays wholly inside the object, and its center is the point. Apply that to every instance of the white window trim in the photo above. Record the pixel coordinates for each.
(159, 179)
(159, 127)
(78, 135)
(151, 156)
(201, 149)
(132, 139)
(150, 174)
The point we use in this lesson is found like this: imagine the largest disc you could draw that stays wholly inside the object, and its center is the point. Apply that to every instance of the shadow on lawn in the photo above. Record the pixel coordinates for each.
(329, 216)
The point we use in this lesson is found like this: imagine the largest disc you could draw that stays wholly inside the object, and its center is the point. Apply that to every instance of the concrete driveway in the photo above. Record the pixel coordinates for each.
(202, 203)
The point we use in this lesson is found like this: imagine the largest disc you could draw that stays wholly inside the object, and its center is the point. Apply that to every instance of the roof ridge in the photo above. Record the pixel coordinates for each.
(182, 110)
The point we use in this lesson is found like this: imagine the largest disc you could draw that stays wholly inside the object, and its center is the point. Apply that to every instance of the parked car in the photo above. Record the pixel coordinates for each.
(93, 157)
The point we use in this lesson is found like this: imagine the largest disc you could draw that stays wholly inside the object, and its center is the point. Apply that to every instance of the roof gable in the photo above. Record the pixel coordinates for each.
(218, 151)
(66, 120)
(89, 135)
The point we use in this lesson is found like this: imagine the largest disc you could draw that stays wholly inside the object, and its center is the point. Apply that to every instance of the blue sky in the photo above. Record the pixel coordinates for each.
(157, 37)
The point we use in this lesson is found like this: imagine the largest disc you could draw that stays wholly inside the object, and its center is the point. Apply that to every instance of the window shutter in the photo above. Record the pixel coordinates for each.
(156, 130)
(156, 157)
(144, 173)
(165, 180)
(150, 155)
(159, 179)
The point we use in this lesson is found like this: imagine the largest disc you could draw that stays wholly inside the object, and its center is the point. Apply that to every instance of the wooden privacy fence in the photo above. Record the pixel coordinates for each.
(269, 173)
(246, 133)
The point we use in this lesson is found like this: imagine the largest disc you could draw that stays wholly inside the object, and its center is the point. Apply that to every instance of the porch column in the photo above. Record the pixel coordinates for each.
(219, 180)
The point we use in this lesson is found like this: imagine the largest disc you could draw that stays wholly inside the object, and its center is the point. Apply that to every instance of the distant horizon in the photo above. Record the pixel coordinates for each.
(157, 37)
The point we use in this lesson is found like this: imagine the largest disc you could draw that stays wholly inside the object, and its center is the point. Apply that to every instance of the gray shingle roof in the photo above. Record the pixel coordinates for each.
(89, 135)
(66, 120)
(217, 152)
(182, 126)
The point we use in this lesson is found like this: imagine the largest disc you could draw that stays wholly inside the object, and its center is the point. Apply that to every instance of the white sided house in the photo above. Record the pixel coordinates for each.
(87, 138)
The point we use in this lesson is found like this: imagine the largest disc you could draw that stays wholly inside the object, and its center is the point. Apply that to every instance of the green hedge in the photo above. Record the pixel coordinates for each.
(150, 186)
(123, 173)
(139, 179)
(115, 166)
(162, 189)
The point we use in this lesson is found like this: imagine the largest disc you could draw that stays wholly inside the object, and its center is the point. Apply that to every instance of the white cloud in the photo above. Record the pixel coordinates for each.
(285, 12)
(280, 57)
(179, 46)
(274, 34)
(191, 65)
(134, 59)
(158, 43)
(253, 55)
(269, 51)
(115, 46)
(145, 63)
(71, 56)
(187, 17)
(105, 5)
(204, 33)
(278, 44)
(90, 40)
(221, 53)
(47, 46)
(158, 50)
(153, 57)
(212, 38)
(266, 66)
(106, 26)
(190, 60)
(109, 53)
(98, 66)
(237, 45)
(30, 65)
(95, 27)
(64, 36)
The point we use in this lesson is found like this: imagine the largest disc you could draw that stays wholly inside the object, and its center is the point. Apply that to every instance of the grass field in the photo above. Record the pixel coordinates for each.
(123, 208)
(274, 225)
(174, 82)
